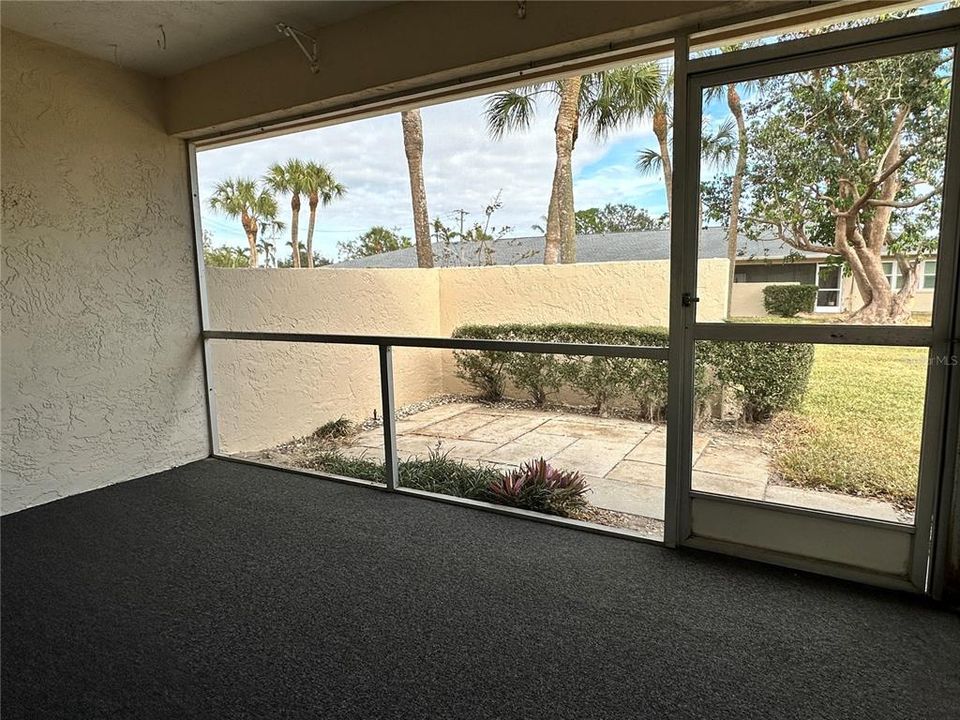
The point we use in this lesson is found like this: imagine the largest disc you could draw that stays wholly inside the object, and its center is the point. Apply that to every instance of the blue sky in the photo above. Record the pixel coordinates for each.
(463, 168)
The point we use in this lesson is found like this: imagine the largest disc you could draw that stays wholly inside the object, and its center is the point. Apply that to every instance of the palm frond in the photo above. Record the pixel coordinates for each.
(649, 161)
(719, 148)
(618, 97)
(510, 110)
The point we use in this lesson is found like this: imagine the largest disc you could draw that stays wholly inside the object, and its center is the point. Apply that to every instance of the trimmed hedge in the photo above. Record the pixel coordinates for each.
(788, 300)
(764, 377)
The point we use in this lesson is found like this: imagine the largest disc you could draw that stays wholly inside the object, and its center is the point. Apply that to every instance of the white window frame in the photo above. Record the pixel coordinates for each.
(895, 276)
(839, 290)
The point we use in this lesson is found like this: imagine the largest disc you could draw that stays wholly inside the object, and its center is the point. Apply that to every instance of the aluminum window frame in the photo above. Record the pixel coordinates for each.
(842, 46)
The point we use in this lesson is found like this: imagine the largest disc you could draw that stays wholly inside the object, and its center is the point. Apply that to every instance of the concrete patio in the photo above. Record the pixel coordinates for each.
(623, 460)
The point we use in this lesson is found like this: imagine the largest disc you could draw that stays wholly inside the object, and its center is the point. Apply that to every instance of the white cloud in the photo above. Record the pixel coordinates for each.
(463, 168)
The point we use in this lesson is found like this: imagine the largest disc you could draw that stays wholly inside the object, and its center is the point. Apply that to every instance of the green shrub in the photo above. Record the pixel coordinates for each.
(765, 377)
(538, 374)
(537, 486)
(481, 369)
(788, 300)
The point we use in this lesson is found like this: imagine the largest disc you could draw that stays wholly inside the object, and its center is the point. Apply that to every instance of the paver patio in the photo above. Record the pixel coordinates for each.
(623, 460)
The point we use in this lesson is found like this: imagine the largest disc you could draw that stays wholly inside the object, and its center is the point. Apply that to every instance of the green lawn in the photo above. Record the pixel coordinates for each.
(858, 428)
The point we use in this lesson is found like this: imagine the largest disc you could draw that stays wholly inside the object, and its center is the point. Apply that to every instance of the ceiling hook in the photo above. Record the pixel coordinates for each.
(162, 40)
(298, 36)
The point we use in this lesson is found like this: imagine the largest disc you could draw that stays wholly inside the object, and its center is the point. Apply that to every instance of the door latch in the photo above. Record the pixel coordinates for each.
(688, 299)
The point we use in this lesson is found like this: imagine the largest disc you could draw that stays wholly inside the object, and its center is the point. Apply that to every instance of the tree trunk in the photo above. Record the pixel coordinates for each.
(736, 187)
(568, 221)
(314, 201)
(413, 146)
(250, 227)
(295, 228)
(661, 131)
(882, 303)
(561, 223)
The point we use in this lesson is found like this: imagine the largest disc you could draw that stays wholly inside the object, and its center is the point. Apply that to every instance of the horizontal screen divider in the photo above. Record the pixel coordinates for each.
(646, 352)
(903, 335)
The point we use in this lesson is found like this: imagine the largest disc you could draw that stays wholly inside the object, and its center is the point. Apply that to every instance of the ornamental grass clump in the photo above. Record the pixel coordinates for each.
(538, 486)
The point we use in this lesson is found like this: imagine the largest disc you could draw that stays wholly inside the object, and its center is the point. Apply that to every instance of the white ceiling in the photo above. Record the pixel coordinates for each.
(197, 32)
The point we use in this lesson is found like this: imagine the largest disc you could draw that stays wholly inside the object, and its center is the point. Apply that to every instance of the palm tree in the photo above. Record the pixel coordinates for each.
(269, 229)
(603, 100)
(650, 161)
(243, 198)
(321, 188)
(269, 251)
(716, 149)
(413, 147)
(289, 178)
(735, 105)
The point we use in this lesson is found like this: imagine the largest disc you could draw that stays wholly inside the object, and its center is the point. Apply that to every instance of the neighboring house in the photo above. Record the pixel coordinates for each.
(759, 263)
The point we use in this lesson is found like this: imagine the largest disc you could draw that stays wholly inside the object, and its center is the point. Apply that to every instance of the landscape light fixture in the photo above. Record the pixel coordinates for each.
(312, 55)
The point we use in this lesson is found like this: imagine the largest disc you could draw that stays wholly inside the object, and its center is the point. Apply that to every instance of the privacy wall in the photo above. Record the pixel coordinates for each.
(268, 393)
(102, 373)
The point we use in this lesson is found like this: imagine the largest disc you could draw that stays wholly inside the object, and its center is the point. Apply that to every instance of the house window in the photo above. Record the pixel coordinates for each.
(927, 279)
(892, 270)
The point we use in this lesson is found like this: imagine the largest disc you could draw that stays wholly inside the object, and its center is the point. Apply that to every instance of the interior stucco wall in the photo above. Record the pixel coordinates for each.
(101, 368)
(268, 393)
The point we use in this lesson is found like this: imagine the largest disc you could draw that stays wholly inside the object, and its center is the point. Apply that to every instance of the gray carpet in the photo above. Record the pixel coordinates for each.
(218, 590)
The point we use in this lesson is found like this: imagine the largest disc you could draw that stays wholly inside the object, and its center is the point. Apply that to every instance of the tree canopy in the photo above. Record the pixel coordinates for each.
(614, 218)
(848, 160)
(374, 241)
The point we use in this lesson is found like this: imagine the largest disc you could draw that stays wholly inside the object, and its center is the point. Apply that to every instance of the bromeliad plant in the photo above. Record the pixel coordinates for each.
(540, 487)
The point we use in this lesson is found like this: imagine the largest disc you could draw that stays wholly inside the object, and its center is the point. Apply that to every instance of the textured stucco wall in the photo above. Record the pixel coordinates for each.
(270, 392)
(102, 374)
(623, 293)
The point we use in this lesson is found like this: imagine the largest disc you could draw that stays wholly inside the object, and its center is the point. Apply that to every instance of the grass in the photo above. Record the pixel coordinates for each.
(858, 427)
(917, 318)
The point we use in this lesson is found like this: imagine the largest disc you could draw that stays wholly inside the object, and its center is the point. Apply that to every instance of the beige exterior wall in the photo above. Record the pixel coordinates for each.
(621, 293)
(747, 299)
(921, 302)
(268, 393)
(102, 375)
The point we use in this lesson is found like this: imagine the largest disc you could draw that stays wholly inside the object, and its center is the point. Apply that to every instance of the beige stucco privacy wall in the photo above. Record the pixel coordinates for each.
(270, 392)
(102, 373)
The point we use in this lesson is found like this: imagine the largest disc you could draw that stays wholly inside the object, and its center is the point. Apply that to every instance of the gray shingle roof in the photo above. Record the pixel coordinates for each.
(594, 248)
